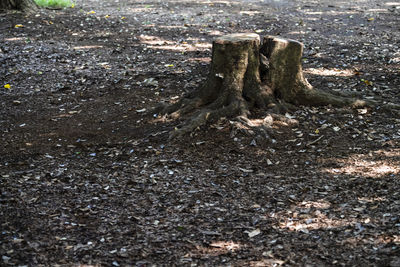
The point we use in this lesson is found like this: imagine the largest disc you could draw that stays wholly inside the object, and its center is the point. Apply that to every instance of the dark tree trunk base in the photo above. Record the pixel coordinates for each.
(21, 5)
(246, 75)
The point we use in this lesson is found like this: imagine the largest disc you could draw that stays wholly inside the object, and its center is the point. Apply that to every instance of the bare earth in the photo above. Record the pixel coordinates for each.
(88, 176)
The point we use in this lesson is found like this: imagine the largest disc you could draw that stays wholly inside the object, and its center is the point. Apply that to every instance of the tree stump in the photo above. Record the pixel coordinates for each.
(233, 85)
(244, 75)
(284, 74)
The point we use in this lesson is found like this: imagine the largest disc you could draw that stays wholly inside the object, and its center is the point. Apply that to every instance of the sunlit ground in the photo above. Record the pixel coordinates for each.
(362, 165)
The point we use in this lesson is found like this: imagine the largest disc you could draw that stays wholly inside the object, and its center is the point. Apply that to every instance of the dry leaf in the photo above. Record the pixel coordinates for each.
(254, 233)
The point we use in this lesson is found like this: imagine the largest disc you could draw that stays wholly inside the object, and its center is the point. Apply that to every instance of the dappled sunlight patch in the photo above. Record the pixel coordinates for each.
(216, 33)
(309, 215)
(378, 10)
(249, 13)
(320, 204)
(374, 240)
(265, 262)
(394, 153)
(102, 34)
(392, 3)
(13, 39)
(153, 40)
(296, 33)
(215, 248)
(305, 225)
(314, 12)
(179, 48)
(396, 60)
(157, 43)
(371, 199)
(218, 2)
(139, 9)
(225, 245)
(331, 12)
(366, 168)
(375, 164)
(170, 27)
(86, 47)
(203, 45)
(200, 59)
(330, 72)
(313, 19)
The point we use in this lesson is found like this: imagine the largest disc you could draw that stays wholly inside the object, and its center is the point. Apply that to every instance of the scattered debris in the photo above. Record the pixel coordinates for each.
(88, 176)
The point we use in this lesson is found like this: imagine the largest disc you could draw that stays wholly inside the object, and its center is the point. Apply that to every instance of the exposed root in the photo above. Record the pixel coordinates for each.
(183, 107)
(207, 115)
(259, 127)
(313, 97)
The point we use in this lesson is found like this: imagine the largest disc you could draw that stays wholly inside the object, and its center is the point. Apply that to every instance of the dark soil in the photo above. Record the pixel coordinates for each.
(88, 176)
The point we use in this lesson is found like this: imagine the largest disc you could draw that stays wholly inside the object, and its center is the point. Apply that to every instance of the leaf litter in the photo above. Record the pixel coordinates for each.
(88, 177)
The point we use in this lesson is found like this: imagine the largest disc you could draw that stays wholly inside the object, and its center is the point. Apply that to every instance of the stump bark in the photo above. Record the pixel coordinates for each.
(247, 74)
(233, 85)
(284, 74)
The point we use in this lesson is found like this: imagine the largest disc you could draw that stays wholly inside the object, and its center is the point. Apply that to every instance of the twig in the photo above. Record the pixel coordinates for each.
(315, 141)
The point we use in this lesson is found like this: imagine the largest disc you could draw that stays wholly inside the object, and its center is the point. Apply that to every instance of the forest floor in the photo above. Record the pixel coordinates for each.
(89, 178)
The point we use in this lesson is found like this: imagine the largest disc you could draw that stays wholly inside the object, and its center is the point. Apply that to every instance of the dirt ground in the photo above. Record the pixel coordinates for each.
(89, 178)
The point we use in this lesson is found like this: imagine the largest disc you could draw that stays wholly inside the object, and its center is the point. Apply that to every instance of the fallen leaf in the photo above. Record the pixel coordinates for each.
(367, 82)
(151, 81)
(287, 115)
(359, 209)
(254, 233)
(245, 170)
(19, 26)
(205, 232)
(7, 86)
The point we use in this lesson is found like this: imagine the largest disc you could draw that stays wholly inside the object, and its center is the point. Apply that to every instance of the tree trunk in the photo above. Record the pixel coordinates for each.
(22, 5)
(284, 75)
(233, 85)
(246, 75)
